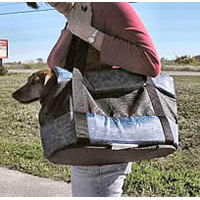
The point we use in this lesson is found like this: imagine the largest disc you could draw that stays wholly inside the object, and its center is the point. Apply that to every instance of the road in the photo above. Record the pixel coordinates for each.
(186, 73)
(17, 184)
(22, 70)
(189, 73)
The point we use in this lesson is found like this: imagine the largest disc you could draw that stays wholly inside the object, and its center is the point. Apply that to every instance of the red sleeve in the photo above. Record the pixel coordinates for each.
(57, 56)
(126, 42)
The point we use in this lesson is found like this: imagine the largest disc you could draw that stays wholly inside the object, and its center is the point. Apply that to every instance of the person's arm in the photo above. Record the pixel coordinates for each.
(129, 56)
(125, 41)
(57, 56)
(122, 38)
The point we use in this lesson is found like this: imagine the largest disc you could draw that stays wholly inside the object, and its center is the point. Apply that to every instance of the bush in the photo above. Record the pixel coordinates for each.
(181, 61)
(185, 60)
(3, 71)
(27, 66)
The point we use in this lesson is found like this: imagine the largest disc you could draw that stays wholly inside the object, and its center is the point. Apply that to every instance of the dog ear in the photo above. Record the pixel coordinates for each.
(48, 89)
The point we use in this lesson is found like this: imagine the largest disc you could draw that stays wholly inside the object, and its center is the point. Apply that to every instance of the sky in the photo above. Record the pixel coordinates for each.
(173, 27)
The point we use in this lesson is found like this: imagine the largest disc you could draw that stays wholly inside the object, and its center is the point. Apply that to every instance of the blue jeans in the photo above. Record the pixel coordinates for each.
(99, 181)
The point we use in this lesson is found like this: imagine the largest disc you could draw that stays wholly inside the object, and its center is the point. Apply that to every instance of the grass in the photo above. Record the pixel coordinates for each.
(175, 67)
(175, 175)
(25, 66)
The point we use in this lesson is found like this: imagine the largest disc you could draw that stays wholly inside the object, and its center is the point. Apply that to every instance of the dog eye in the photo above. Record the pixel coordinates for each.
(36, 78)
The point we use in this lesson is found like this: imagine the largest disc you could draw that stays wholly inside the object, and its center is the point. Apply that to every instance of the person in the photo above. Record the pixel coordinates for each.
(116, 38)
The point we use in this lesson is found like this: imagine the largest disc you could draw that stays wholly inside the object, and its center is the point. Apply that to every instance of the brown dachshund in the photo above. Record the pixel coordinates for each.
(33, 89)
(43, 86)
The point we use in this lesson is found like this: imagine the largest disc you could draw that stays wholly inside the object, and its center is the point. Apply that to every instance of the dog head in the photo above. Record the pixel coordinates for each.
(32, 90)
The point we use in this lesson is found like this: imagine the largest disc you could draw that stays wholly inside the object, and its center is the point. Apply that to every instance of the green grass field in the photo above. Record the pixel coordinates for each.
(176, 175)
(25, 66)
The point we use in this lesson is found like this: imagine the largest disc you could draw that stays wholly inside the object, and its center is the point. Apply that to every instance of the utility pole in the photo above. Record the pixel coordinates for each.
(1, 63)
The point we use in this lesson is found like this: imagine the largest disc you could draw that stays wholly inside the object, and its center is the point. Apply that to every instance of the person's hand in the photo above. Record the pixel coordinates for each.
(62, 7)
(80, 20)
(79, 16)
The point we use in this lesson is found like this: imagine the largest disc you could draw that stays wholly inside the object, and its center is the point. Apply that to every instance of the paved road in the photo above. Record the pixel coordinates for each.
(182, 73)
(17, 184)
(168, 72)
(22, 70)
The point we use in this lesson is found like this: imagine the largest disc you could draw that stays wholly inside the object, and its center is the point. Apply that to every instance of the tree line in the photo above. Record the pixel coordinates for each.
(182, 60)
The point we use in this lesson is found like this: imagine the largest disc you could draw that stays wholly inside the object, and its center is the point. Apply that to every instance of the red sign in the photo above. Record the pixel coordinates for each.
(3, 49)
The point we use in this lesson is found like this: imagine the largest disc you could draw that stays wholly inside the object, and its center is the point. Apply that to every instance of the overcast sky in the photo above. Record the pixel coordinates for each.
(174, 29)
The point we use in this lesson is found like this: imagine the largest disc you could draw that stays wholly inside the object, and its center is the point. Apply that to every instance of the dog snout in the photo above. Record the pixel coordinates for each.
(14, 95)
(17, 95)
(20, 94)
(33, 89)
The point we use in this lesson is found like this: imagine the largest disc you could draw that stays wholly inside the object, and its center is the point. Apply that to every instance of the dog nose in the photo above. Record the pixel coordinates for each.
(14, 95)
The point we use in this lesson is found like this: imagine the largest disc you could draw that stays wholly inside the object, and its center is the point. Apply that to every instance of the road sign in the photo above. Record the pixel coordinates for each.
(3, 49)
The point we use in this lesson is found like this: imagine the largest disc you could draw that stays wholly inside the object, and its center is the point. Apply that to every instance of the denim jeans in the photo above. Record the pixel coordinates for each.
(99, 181)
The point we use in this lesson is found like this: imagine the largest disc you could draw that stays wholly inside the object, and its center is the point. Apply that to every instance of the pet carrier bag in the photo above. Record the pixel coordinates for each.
(108, 116)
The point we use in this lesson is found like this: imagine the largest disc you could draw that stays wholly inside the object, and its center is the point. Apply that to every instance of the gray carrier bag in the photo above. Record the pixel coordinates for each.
(108, 116)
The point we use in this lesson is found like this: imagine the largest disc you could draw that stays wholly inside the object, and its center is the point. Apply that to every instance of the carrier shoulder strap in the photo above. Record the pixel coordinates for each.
(77, 54)
(77, 59)
(158, 109)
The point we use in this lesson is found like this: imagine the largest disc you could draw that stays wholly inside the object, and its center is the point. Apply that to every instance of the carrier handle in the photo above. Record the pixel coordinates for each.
(158, 109)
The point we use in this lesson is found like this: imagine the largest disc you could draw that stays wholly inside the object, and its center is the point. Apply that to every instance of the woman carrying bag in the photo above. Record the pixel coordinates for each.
(117, 38)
